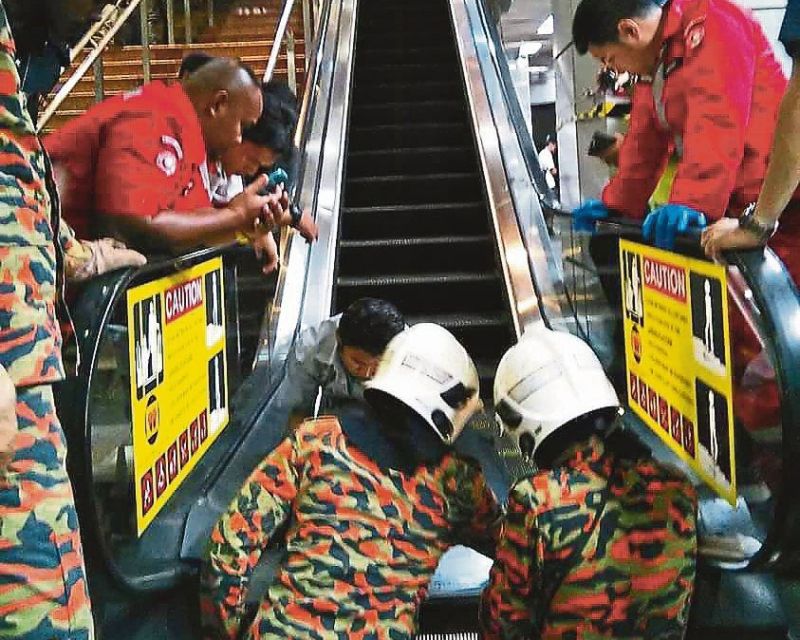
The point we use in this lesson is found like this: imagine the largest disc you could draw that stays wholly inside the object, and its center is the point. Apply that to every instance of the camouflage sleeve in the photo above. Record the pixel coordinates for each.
(474, 507)
(507, 603)
(240, 537)
(720, 83)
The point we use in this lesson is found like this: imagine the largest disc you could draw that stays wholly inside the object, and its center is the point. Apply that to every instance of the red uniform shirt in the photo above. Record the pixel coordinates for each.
(721, 94)
(137, 154)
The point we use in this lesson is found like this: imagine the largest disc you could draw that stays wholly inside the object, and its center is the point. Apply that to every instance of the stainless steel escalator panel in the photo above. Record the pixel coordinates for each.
(520, 229)
(305, 281)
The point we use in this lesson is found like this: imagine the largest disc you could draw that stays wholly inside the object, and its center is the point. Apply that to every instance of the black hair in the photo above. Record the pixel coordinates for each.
(595, 21)
(193, 61)
(275, 128)
(574, 432)
(369, 324)
(550, 137)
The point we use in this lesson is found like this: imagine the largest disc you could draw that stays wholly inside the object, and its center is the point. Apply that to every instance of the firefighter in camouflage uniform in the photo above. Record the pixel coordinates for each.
(43, 591)
(373, 498)
(601, 541)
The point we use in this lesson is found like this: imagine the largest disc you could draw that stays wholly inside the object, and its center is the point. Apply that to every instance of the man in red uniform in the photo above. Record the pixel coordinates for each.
(710, 91)
(134, 166)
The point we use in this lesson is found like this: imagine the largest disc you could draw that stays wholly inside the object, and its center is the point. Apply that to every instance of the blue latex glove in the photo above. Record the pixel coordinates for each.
(585, 217)
(663, 224)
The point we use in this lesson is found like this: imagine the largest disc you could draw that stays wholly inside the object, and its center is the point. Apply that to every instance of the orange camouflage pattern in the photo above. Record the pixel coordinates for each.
(600, 547)
(43, 591)
(362, 544)
(30, 339)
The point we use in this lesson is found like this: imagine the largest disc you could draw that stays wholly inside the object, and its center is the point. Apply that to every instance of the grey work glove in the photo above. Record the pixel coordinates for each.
(100, 256)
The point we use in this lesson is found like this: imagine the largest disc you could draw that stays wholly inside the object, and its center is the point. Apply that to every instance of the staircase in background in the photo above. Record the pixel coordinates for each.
(237, 33)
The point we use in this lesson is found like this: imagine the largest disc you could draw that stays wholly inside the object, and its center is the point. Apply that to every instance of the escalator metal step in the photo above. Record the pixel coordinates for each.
(410, 189)
(411, 160)
(409, 134)
(413, 242)
(417, 220)
(415, 279)
(409, 256)
(396, 91)
(390, 54)
(404, 112)
(457, 321)
(409, 72)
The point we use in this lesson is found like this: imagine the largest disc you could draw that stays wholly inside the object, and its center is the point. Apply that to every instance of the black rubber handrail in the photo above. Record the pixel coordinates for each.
(776, 297)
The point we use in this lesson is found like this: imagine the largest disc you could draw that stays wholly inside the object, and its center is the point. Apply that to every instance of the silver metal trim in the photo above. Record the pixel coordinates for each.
(305, 281)
(280, 30)
(530, 273)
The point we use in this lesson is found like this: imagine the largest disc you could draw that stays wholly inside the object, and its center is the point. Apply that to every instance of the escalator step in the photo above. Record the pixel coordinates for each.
(413, 242)
(405, 112)
(382, 92)
(411, 189)
(408, 135)
(462, 320)
(418, 220)
(410, 160)
(416, 255)
(408, 72)
(455, 277)
(392, 54)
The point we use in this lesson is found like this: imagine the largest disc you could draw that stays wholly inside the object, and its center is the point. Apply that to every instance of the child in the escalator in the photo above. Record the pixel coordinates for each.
(339, 355)
(601, 541)
(373, 497)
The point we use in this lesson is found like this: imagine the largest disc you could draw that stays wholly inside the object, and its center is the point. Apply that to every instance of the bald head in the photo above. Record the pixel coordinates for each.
(227, 99)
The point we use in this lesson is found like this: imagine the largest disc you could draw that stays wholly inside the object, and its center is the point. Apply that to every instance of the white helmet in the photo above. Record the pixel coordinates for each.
(428, 370)
(546, 380)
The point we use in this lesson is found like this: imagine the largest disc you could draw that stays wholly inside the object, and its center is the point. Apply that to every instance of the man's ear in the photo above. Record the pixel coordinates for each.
(219, 103)
(628, 31)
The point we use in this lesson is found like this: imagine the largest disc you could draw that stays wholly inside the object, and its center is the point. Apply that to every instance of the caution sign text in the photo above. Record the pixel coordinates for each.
(677, 353)
(179, 390)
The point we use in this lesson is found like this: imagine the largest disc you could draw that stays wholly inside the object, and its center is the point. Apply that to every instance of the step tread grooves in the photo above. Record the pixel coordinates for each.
(414, 242)
(416, 278)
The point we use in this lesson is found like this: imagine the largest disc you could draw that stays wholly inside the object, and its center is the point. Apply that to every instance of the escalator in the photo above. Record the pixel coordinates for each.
(415, 225)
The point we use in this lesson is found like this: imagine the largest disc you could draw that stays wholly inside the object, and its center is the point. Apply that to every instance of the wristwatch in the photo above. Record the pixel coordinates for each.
(296, 213)
(762, 230)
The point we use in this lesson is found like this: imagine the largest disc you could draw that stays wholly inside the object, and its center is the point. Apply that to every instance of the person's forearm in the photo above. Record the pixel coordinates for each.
(783, 173)
(174, 231)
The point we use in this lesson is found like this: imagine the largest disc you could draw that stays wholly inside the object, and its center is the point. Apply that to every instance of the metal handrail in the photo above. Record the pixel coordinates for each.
(87, 62)
(280, 32)
(105, 13)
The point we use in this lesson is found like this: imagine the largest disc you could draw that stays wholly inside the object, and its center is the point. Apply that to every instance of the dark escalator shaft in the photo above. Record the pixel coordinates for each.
(415, 224)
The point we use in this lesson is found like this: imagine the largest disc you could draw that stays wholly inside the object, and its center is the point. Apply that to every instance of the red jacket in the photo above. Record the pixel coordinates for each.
(137, 154)
(721, 95)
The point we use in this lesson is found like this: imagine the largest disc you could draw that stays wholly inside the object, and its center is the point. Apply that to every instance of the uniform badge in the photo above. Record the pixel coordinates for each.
(167, 161)
(695, 36)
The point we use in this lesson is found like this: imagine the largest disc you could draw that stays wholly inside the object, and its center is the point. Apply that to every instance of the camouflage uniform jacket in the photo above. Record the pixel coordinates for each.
(362, 543)
(30, 339)
(597, 548)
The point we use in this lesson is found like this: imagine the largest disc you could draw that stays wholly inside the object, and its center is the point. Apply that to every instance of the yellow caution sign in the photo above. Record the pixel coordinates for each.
(678, 357)
(179, 381)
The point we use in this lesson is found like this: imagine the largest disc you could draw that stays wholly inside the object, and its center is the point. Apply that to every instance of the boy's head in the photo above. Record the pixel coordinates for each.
(622, 34)
(270, 139)
(366, 327)
(550, 391)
